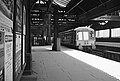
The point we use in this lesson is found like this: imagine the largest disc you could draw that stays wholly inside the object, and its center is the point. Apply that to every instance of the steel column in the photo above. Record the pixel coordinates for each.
(28, 56)
(56, 39)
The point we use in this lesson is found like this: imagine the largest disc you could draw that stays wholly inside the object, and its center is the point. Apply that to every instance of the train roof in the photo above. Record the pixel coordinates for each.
(77, 29)
(84, 28)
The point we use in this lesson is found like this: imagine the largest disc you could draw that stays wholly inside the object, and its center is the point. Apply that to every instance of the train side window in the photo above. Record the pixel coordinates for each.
(104, 33)
(115, 32)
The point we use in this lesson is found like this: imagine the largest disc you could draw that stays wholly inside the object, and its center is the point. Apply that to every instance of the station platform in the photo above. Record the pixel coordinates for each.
(71, 65)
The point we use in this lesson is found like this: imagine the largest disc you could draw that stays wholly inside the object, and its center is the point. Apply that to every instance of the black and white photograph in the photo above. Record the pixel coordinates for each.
(59, 40)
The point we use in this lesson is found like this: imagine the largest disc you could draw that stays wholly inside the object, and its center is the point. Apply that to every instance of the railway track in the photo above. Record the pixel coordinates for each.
(105, 54)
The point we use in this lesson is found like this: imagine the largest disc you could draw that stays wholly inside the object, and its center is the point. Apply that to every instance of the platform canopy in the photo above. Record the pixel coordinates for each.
(77, 12)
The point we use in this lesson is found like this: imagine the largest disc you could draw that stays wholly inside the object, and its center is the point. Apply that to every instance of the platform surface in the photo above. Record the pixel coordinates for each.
(70, 65)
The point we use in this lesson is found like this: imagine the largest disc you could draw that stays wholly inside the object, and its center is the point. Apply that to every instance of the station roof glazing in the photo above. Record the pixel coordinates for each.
(83, 10)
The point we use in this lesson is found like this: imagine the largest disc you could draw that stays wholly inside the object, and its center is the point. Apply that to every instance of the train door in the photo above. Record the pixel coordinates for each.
(1, 56)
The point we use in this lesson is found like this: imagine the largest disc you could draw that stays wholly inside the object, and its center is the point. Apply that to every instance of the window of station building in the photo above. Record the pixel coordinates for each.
(104, 33)
(115, 32)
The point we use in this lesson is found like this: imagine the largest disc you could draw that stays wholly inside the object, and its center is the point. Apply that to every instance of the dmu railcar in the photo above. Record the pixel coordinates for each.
(81, 38)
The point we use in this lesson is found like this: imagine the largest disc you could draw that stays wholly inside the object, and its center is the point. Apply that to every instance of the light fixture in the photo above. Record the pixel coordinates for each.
(103, 23)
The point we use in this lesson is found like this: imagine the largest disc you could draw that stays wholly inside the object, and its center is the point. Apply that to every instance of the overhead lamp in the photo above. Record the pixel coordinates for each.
(61, 3)
(103, 23)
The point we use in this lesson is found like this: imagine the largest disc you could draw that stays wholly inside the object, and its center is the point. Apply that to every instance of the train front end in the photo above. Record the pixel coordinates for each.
(85, 38)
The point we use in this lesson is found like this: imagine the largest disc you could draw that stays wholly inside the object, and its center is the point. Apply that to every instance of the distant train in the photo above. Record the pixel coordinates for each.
(81, 38)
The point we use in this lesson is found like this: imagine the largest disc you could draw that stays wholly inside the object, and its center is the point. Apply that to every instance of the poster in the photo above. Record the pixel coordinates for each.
(6, 26)
(8, 60)
(18, 54)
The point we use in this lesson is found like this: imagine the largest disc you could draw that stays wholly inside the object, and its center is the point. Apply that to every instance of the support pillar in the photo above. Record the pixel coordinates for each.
(28, 56)
(49, 29)
(14, 40)
(56, 39)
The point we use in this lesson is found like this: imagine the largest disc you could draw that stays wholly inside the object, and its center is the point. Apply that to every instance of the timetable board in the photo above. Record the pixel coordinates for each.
(6, 44)
(6, 26)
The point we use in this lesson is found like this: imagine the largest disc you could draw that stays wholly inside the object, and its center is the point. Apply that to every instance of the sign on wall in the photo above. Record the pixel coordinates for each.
(18, 54)
(18, 26)
(6, 26)
(8, 56)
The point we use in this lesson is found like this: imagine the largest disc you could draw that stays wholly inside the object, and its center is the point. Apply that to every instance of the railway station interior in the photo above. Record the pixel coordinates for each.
(59, 40)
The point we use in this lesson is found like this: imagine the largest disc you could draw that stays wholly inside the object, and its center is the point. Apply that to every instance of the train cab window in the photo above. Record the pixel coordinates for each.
(91, 35)
(79, 36)
(85, 35)
(115, 32)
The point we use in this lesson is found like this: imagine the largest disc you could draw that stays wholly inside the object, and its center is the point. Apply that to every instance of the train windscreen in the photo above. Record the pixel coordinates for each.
(85, 35)
(79, 36)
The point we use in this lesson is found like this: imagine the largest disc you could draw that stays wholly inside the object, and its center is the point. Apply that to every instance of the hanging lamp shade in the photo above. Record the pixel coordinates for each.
(62, 3)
